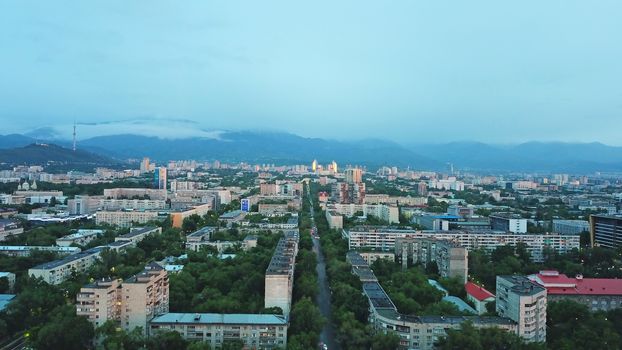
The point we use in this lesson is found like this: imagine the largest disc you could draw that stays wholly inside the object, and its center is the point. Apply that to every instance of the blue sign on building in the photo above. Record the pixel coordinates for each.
(245, 205)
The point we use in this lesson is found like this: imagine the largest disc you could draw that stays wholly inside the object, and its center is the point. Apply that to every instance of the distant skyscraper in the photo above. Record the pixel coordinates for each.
(335, 170)
(314, 166)
(159, 178)
(144, 166)
(354, 176)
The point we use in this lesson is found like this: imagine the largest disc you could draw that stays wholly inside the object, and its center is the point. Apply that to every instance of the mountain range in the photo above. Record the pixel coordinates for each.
(284, 148)
(53, 156)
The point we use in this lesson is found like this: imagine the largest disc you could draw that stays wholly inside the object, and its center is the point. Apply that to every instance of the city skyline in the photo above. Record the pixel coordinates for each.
(396, 71)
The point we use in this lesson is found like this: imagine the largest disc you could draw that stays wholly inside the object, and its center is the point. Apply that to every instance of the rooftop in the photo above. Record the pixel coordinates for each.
(231, 214)
(5, 299)
(522, 285)
(68, 259)
(203, 231)
(477, 292)
(138, 232)
(556, 283)
(235, 319)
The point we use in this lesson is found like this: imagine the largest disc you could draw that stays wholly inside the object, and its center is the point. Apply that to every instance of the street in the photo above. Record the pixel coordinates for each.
(327, 336)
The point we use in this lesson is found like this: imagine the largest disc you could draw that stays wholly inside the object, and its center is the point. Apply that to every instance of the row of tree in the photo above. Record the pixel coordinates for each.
(350, 307)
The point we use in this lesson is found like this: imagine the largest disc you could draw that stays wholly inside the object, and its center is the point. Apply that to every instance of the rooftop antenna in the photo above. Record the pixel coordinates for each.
(74, 136)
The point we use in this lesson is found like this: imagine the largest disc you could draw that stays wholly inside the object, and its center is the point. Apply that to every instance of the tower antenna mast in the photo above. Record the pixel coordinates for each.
(74, 136)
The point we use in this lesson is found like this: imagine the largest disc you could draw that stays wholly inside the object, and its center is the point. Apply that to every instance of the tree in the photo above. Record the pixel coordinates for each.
(467, 337)
(385, 341)
(306, 318)
(64, 331)
(167, 340)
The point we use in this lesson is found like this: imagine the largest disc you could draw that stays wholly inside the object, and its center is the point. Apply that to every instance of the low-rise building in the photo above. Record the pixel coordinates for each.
(261, 331)
(196, 239)
(232, 217)
(9, 228)
(479, 296)
(596, 293)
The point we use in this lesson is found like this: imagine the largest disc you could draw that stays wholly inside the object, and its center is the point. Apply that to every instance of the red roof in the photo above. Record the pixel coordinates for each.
(477, 292)
(563, 285)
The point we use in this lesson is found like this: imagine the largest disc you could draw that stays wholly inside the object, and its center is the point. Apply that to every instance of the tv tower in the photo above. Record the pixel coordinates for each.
(74, 136)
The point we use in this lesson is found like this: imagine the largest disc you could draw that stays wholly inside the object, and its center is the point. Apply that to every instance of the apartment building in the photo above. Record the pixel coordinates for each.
(146, 295)
(261, 331)
(81, 237)
(415, 331)
(383, 212)
(279, 279)
(335, 220)
(178, 217)
(508, 223)
(132, 303)
(137, 234)
(9, 228)
(197, 239)
(571, 227)
(57, 271)
(524, 302)
(26, 250)
(125, 218)
(606, 231)
(123, 193)
(383, 238)
(450, 258)
(100, 301)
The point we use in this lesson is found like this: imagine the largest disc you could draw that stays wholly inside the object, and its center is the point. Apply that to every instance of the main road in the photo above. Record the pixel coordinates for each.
(327, 336)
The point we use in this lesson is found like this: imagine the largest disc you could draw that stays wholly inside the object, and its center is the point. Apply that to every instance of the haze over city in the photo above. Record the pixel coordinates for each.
(405, 71)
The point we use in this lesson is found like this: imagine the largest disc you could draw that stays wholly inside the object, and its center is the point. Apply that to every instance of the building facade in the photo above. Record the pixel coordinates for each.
(279, 279)
(255, 331)
(524, 302)
(383, 238)
(132, 303)
(508, 223)
(606, 231)
(451, 259)
(123, 218)
(602, 294)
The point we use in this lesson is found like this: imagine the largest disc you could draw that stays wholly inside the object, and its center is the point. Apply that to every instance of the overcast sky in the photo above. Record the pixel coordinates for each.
(410, 71)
